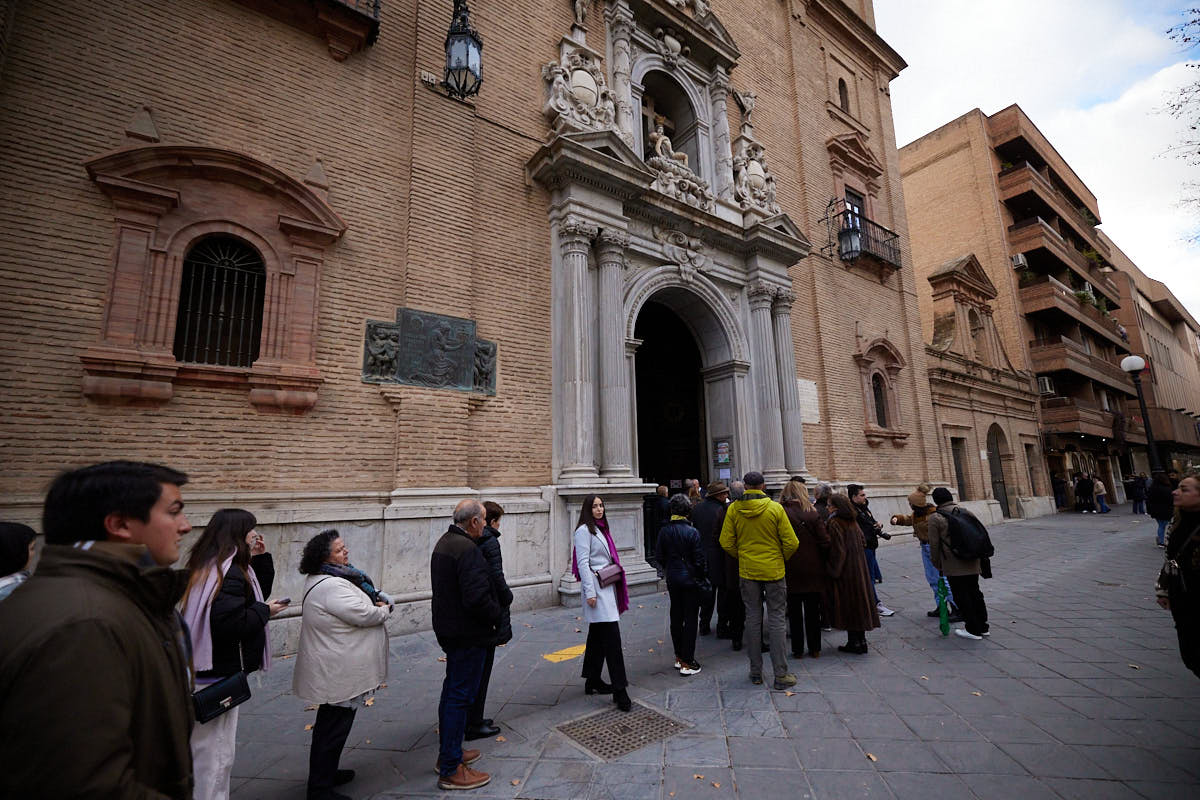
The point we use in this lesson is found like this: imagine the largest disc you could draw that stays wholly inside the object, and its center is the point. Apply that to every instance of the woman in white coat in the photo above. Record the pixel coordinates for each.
(343, 654)
(602, 605)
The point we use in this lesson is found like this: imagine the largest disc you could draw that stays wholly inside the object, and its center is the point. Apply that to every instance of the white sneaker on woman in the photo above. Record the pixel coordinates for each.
(883, 610)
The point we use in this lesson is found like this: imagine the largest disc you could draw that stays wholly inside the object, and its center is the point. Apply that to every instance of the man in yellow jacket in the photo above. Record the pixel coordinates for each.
(757, 533)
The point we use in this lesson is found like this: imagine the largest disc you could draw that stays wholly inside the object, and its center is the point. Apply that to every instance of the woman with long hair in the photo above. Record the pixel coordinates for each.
(805, 569)
(602, 605)
(229, 574)
(343, 654)
(851, 604)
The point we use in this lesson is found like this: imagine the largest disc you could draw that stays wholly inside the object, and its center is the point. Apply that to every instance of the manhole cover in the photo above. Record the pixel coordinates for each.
(614, 733)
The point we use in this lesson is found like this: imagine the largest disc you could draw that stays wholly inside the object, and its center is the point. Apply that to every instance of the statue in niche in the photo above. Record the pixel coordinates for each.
(660, 143)
(440, 364)
(746, 102)
(484, 378)
(581, 8)
(383, 345)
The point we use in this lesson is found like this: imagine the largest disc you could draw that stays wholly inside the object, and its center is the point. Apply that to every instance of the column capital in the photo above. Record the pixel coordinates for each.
(783, 300)
(576, 228)
(619, 17)
(718, 88)
(612, 239)
(761, 295)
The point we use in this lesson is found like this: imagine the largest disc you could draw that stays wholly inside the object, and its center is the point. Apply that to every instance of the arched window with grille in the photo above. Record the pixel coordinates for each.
(220, 303)
(880, 394)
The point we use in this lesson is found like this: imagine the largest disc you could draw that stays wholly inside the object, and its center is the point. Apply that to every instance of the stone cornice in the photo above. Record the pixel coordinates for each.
(842, 20)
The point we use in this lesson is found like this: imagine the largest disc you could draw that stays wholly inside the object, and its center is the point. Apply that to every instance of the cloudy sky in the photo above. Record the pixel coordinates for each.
(1093, 75)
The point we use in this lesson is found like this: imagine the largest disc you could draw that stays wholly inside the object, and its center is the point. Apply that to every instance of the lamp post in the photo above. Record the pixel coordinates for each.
(1134, 366)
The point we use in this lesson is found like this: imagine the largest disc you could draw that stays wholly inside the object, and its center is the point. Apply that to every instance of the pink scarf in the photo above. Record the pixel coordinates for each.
(620, 588)
(198, 609)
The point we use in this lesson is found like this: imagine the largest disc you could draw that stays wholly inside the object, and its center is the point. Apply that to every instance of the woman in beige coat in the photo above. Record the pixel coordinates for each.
(343, 653)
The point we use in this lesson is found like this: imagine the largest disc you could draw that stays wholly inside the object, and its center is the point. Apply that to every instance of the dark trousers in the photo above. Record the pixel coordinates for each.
(731, 612)
(329, 735)
(604, 644)
(464, 668)
(475, 714)
(685, 605)
(708, 602)
(804, 615)
(970, 603)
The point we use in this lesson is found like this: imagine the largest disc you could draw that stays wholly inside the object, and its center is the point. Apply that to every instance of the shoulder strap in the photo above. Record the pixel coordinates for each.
(315, 585)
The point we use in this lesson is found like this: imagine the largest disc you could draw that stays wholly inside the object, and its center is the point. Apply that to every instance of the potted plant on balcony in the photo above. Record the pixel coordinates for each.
(1092, 257)
(1086, 298)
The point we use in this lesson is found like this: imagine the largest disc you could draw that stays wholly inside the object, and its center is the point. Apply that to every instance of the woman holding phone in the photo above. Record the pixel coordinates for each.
(229, 574)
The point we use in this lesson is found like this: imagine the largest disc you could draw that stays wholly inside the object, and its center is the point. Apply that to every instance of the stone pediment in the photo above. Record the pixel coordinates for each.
(600, 159)
(851, 149)
(708, 39)
(964, 274)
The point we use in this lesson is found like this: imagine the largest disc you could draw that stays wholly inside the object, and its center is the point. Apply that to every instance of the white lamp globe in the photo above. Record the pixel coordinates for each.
(1133, 364)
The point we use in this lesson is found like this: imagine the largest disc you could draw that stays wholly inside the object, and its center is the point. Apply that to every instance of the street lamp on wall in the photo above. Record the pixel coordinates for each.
(464, 55)
(1134, 366)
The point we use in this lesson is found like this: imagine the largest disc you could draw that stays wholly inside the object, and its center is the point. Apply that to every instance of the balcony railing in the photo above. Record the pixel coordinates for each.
(1046, 292)
(859, 236)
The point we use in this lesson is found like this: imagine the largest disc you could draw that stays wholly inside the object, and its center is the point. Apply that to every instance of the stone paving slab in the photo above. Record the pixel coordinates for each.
(1078, 692)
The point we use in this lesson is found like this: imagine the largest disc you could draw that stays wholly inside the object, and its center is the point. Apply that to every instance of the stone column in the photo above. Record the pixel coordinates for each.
(769, 425)
(789, 392)
(719, 93)
(631, 346)
(620, 33)
(616, 452)
(577, 329)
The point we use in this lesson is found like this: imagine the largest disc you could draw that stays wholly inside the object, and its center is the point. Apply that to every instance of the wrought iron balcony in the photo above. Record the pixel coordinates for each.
(858, 236)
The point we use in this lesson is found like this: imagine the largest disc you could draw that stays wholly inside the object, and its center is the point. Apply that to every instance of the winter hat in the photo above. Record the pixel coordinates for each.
(918, 498)
(941, 495)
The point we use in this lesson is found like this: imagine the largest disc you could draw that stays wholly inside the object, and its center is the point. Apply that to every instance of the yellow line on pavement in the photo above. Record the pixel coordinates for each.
(566, 654)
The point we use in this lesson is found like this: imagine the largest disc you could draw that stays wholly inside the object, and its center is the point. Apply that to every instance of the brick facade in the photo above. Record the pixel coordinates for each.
(440, 215)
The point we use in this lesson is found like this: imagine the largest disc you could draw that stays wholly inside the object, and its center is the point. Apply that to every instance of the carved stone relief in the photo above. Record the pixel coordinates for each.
(753, 184)
(577, 95)
(669, 43)
(700, 8)
(684, 251)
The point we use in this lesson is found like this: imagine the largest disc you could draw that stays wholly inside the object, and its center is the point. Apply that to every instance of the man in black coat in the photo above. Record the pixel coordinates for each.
(479, 726)
(708, 516)
(466, 611)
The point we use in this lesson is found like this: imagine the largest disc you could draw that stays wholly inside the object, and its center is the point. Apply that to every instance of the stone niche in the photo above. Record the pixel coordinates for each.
(432, 350)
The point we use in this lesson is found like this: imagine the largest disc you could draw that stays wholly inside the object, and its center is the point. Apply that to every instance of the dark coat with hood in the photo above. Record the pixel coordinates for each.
(707, 518)
(1160, 503)
(237, 619)
(806, 567)
(95, 683)
(466, 609)
(940, 554)
(489, 546)
(682, 558)
(849, 602)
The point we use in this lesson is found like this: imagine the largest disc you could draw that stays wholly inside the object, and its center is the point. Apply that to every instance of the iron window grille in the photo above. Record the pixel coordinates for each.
(220, 303)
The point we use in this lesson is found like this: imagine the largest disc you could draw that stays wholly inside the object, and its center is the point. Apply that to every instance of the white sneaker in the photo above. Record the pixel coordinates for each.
(678, 664)
(963, 632)
(690, 669)
(883, 610)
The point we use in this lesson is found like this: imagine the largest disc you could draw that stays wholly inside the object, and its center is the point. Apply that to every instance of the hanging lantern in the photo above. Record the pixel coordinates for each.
(464, 55)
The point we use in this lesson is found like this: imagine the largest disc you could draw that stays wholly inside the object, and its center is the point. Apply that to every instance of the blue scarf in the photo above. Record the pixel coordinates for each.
(355, 576)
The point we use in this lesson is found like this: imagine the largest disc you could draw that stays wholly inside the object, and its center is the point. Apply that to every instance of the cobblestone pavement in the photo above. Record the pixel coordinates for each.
(1078, 693)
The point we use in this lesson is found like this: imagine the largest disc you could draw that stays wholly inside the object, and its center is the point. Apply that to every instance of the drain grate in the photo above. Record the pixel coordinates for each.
(614, 733)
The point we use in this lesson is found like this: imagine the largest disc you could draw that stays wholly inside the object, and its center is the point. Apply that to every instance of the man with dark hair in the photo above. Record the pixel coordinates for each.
(95, 673)
(707, 517)
(757, 532)
(466, 611)
(961, 573)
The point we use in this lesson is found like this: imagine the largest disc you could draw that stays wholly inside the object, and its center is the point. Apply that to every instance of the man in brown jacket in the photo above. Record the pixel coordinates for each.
(961, 574)
(95, 673)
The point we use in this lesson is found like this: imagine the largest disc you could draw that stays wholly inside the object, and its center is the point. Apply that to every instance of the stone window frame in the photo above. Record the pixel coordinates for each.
(166, 198)
(882, 360)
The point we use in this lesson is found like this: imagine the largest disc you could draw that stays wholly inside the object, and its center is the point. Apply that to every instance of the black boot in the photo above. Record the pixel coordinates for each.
(621, 698)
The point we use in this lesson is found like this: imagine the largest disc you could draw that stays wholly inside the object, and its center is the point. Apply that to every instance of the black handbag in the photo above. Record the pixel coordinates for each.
(214, 700)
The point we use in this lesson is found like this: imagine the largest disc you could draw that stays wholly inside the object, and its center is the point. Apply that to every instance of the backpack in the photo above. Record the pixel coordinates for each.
(968, 537)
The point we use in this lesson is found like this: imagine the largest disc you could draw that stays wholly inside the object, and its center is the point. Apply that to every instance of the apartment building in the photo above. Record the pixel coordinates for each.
(994, 187)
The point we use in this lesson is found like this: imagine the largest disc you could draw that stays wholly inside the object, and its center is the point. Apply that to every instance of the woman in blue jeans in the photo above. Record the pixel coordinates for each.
(1161, 504)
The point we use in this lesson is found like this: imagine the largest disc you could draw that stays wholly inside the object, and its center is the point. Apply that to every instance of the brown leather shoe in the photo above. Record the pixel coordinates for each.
(464, 778)
(471, 756)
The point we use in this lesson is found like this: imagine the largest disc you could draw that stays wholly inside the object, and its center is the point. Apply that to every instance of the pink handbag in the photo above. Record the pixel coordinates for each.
(609, 575)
